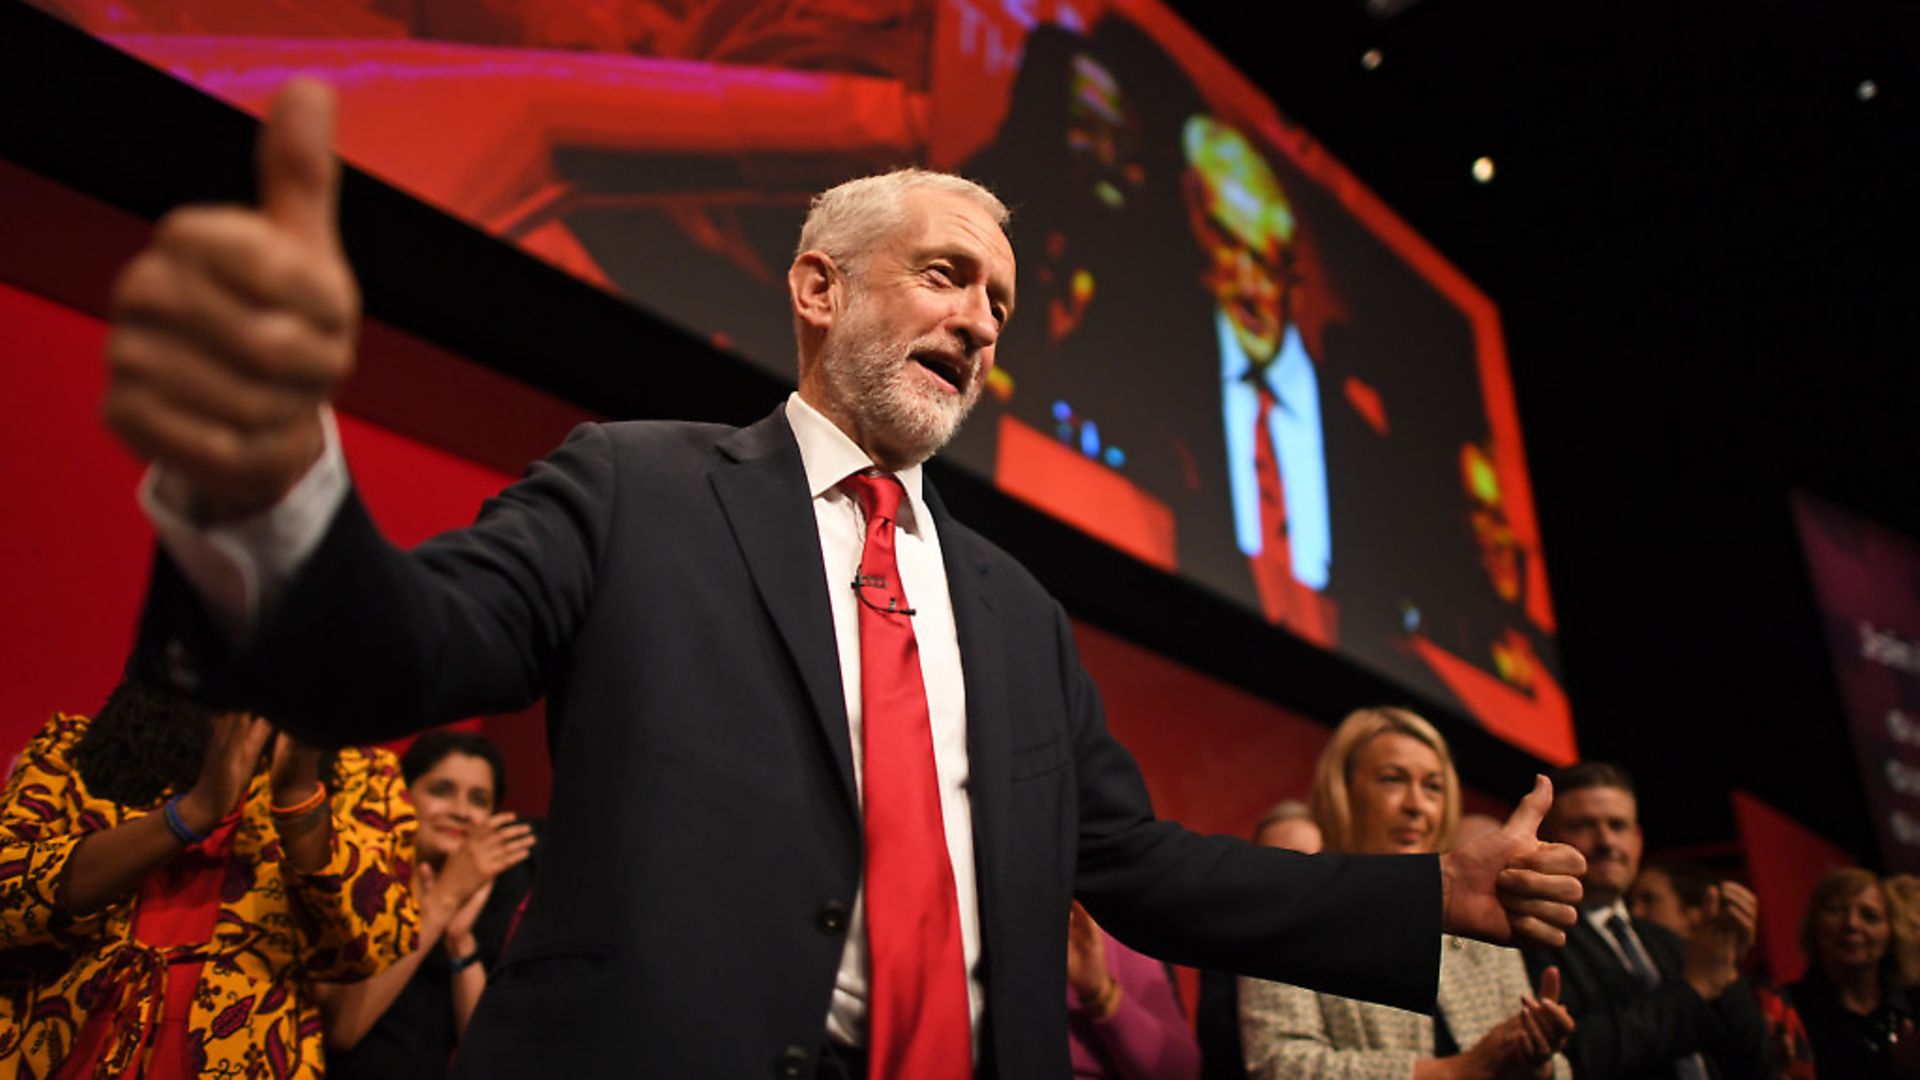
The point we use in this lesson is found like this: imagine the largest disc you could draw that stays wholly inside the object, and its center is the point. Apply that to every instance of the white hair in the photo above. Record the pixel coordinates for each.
(847, 220)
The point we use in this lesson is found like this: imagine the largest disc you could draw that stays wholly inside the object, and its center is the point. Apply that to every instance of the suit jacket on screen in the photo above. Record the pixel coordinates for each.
(662, 585)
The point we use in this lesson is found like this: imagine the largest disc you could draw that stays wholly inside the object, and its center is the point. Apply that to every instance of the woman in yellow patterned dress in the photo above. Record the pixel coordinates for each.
(169, 882)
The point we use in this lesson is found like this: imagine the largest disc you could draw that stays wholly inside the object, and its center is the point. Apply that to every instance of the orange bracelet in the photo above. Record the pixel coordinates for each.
(310, 803)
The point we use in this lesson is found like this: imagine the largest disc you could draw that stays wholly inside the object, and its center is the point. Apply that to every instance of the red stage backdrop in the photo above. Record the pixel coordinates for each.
(1785, 859)
(1175, 232)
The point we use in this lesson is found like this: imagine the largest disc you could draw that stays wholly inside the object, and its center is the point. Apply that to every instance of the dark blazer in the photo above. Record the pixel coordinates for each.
(661, 584)
(1625, 1030)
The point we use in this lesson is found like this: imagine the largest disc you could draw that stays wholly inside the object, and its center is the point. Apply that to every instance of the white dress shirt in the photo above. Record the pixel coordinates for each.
(1599, 917)
(239, 569)
(830, 457)
(1299, 450)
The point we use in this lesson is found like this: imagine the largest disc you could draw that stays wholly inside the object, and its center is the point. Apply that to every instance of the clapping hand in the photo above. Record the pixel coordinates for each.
(1730, 914)
(459, 889)
(233, 756)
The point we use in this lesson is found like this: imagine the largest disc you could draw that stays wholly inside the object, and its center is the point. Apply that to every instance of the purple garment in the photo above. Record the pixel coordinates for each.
(1147, 1038)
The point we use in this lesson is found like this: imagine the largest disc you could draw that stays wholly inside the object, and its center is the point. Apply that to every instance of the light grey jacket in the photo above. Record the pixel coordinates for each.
(1293, 1033)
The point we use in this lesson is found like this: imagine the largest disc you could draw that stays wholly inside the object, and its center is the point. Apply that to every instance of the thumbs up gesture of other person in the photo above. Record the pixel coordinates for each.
(1509, 887)
(232, 328)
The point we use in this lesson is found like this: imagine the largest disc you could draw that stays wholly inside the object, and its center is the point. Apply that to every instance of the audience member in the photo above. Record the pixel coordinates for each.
(1386, 785)
(1903, 903)
(1860, 1007)
(1649, 1002)
(170, 880)
(405, 1022)
(1675, 895)
(1289, 825)
(1123, 1018)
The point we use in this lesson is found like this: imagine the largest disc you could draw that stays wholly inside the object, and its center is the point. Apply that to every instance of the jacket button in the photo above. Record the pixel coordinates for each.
(831, 918)
(795, 1064)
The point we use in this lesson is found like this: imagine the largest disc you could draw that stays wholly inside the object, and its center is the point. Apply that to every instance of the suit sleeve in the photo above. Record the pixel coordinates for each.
(1366, 927)
(369, 642)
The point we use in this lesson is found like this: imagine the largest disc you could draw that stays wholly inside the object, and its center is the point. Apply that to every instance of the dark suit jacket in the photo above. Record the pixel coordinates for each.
(1625, 1030)
(661, 584)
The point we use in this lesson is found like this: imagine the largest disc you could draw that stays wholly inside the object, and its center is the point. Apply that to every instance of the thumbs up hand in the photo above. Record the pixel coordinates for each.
(235, 324)
(1508, 887)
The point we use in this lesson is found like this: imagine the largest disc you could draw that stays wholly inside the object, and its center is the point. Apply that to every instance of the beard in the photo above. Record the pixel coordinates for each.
(872, 380)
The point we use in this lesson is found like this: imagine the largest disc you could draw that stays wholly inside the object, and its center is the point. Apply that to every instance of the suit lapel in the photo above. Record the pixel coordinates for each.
(983, 671)
(763, 492)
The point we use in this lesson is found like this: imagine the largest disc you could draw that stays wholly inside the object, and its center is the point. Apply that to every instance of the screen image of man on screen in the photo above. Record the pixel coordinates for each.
(1270, 416)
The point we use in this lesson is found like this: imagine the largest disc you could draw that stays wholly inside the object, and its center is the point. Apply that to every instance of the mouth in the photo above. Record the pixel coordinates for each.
(951, 369)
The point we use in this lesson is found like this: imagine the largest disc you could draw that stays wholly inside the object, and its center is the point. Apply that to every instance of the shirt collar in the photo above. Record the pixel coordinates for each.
(1235, 364)
(1600, 916)
(829, 456)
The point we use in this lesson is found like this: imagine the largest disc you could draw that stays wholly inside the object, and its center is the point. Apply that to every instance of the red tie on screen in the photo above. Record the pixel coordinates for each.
(1283, 598)
(919, 1023)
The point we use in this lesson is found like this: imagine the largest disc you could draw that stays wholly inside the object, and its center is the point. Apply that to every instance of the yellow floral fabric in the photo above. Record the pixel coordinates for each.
(277, 929)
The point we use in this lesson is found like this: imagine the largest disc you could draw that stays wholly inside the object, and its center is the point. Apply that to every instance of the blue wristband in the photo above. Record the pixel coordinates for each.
(176, 826)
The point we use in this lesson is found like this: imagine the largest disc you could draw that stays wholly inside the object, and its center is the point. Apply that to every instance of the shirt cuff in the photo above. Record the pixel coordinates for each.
(241, 568)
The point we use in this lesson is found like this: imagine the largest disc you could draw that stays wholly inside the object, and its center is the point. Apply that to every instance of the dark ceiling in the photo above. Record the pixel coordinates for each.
(1701, 232)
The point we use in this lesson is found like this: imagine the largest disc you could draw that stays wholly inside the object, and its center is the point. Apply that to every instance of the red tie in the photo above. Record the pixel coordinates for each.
(1273, 567)
(1282, 597)
(919, 1023)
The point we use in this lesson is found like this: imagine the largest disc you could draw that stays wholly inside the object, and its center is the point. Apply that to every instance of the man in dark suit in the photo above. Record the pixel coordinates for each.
(1645, 1002)
(790, 828)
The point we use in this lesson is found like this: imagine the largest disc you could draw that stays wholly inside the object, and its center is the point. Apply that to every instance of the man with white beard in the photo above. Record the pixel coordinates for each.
(828, 773)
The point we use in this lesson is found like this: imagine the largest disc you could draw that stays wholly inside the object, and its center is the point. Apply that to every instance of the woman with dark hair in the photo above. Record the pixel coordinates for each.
(1857, 997)
(170, 880)
(471, 876)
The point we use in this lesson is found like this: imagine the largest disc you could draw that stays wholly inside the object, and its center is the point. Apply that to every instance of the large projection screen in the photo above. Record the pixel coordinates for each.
(1230, 359)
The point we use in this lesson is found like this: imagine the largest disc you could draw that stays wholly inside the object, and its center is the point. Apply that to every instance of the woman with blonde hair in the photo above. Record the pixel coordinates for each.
(1857, 997)
(1386, 785)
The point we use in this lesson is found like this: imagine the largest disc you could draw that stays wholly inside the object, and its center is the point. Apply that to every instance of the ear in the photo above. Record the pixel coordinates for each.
(817, 288)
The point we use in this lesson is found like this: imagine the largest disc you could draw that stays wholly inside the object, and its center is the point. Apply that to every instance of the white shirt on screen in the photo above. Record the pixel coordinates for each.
(1299, 450)
(239, 570)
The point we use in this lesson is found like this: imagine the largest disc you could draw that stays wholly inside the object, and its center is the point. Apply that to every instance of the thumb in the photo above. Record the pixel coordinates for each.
(1532, 810)
(1550, 984)
(298, 173)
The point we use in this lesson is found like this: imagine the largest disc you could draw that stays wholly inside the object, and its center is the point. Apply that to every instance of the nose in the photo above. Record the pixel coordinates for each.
(973, 322)
(1424, 802)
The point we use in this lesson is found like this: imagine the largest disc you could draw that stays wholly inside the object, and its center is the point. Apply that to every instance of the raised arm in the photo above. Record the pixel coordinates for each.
(231, 330)
(356, 914)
